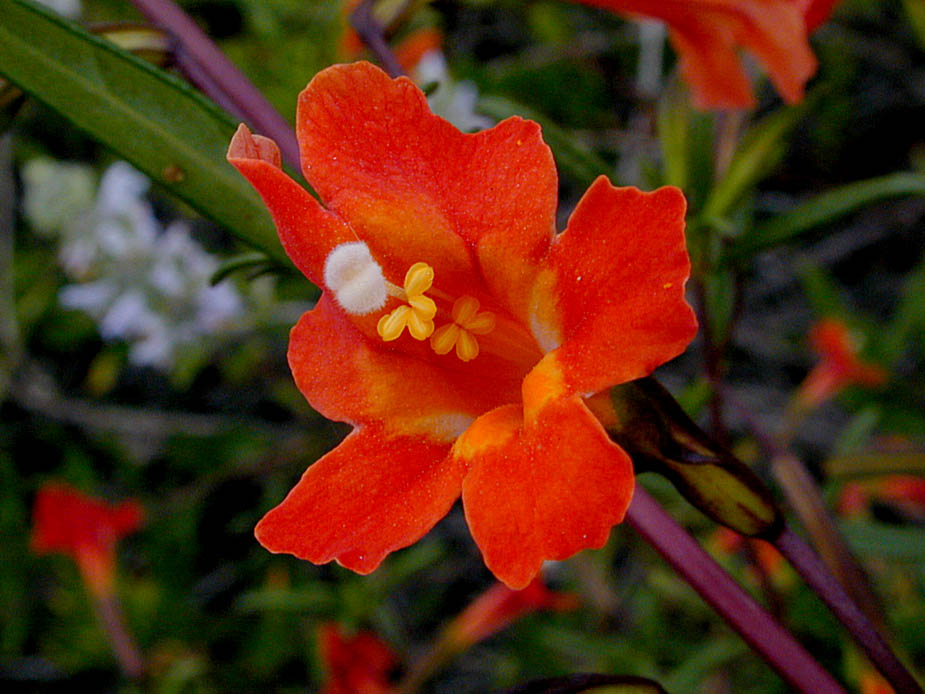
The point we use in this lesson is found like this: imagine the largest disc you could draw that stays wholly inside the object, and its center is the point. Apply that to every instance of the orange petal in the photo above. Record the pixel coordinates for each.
(708, 33)
(368, 383)
(541, 491)
(306, 230)
(618, 290)
(370, 496)
(413, 186)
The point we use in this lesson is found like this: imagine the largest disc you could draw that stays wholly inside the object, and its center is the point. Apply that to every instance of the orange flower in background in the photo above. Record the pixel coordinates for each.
(839, 366)
(873, 683)
(67, 521)
(458, 333)
(709, 33)
(359, 664)
(499, 607)
(904, 492)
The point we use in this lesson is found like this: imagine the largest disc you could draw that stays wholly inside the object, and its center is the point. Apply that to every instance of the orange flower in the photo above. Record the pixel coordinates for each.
(707, 34)
(905, 492)
(840, 365)
(499, 607)
(67, 521)
(873, 683)
(355, 664)
(729, 542)
(509, 327)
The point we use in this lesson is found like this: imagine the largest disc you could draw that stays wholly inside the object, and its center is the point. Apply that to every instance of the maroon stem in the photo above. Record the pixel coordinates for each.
(122, 643)
(774, 643)
(810, 567)
(373, 35)
(218, 77)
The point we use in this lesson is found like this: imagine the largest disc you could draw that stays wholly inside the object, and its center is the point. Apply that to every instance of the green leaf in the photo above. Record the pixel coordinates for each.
(759, 152)
(686, 138)
(145, 115)
(876, 464)
(823, 209)
(899, 543)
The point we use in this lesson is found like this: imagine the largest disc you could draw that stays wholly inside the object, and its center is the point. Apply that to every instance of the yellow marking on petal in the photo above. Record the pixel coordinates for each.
(419, 328)
(544, 383)
(488, 431)
(391, 325)
(418, 279)
(467, 347)
(668, 285)
(444, 338)
(423, 306)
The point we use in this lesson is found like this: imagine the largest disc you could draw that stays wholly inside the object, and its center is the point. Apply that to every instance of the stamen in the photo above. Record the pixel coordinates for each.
(444, 338)
(391, 325)
(418, 314)
(467, 322)
(355, 278)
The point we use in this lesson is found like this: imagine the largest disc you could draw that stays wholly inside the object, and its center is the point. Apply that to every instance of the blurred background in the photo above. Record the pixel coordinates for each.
(138, 364)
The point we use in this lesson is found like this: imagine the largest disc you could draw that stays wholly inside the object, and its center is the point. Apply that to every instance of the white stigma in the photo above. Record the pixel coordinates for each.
(355, 278)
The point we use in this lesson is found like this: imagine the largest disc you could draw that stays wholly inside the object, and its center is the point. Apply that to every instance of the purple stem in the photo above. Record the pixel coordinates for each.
(366, 25)
(774, 643)
(810, 567)
(122, 643)
(216, 75)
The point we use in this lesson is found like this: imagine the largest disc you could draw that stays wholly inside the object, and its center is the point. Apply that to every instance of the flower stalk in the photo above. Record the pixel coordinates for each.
(774, 643)
(210, 70)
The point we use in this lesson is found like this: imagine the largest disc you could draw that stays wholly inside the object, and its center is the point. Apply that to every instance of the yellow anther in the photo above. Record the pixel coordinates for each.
(390, 326)
(467, 322)
(418, 279)
(464, 309)
(482, 324)
(444, 338)
(467, 347)
(423, 306)
(418, 314)
(420, 328)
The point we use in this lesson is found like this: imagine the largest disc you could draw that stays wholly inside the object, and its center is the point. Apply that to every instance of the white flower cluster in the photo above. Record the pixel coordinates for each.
(140, 282)
(452, 100)
(66, 8)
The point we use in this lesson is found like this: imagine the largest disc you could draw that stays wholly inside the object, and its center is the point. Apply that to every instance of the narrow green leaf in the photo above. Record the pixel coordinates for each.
(822, 209)
(686, 138)
(245, 261)
(876, 464)
(760, 150)
(145, 115)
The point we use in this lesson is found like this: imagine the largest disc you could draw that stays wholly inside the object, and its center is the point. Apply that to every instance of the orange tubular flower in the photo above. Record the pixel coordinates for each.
(499, 606)
(356, 664)
(707, 34)
(67, 521)
(839, 365)
(509, 327)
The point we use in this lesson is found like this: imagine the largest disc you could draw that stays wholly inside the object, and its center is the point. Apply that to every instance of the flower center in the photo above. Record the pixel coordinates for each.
(359, 286)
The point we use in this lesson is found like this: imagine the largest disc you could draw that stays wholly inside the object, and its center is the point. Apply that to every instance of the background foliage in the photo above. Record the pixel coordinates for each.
(211, 439)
